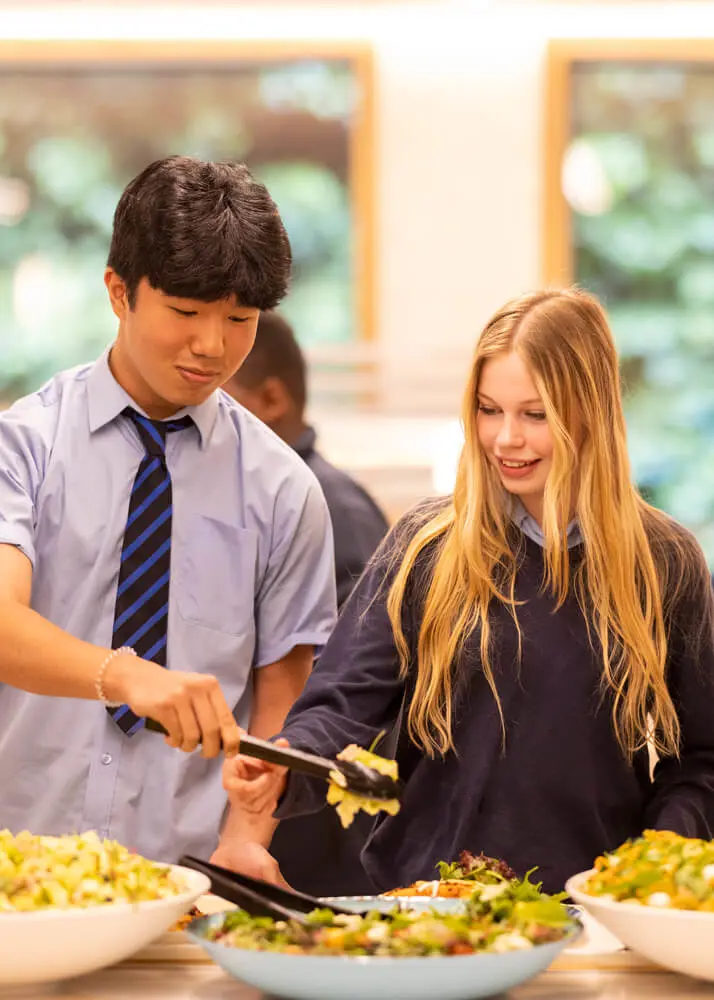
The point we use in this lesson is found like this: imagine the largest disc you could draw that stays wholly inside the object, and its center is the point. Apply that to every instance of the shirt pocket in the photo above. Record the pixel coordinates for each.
(216, 570)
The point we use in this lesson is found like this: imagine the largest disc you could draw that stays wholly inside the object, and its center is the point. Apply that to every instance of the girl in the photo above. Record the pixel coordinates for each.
(525, 641)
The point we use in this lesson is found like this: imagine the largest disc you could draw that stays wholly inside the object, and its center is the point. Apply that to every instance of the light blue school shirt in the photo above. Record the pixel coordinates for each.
(252, 576)
(530, 527)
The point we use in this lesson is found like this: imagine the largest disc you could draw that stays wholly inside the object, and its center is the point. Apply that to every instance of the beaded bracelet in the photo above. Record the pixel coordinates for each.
(99, 683)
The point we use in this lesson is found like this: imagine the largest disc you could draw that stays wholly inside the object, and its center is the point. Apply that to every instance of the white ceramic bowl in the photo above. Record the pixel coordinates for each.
(46, 945)
(324, 977)
(681, 940)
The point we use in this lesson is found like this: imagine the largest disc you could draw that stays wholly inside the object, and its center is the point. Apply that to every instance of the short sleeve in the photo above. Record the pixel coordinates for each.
(22, 462)
(296, 602)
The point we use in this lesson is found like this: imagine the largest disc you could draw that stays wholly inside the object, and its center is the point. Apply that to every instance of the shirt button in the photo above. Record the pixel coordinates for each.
(106, 758)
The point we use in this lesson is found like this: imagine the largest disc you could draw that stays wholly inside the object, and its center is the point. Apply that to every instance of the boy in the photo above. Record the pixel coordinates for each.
(147, 521)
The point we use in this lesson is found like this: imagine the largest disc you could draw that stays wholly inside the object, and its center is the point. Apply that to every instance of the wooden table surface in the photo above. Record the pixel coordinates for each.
(175, 968)
(203, 981)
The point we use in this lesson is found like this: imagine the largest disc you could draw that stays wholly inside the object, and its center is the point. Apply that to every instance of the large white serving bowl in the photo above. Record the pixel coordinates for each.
(324, 977)
(45, 945)
(681, 940)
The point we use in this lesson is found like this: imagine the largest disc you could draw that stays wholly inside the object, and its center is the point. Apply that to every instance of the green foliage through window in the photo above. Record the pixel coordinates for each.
(639, 176)
(72, 137)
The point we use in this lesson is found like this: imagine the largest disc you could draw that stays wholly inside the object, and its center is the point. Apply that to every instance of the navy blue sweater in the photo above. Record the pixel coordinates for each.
(561, 792)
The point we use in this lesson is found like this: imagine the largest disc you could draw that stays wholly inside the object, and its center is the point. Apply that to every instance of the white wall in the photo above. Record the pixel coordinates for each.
(459, 105)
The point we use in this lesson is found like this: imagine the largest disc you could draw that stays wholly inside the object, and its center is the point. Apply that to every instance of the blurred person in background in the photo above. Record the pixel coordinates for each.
(148, 522)
(314, 853)
(272, 384)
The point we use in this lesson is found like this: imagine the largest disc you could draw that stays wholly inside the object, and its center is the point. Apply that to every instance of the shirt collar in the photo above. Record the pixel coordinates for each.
(107, 399)
(530, 527)
(305, 444)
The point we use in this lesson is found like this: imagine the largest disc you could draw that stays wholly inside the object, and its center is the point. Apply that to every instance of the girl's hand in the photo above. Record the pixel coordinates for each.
(254, 785)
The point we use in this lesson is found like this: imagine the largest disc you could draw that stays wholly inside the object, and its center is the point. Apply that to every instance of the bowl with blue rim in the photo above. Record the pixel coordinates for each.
(448, 971)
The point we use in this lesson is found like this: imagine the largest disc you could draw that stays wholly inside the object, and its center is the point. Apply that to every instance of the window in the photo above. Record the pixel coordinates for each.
(630, 190)
(76, 124)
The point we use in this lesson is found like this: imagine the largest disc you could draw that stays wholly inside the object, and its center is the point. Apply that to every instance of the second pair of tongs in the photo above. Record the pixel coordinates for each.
(256, 897)
(355, 777)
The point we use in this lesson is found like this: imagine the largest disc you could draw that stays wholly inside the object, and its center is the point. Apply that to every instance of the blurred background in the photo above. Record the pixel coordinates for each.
(431, 159)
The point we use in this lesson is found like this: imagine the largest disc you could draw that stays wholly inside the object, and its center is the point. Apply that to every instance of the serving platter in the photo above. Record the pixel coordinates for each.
(380, 977)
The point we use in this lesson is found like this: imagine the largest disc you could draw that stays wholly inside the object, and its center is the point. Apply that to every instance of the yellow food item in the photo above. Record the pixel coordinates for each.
(450, 888)
(347, 803)
(660, 869)
(38, 873)
(183, 922)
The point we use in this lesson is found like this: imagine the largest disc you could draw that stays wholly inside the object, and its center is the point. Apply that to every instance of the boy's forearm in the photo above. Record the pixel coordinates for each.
(276, 687)
(41, 658)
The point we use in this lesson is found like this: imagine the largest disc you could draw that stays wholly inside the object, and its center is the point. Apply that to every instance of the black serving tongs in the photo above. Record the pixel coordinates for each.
(358, 778)
(259, 898)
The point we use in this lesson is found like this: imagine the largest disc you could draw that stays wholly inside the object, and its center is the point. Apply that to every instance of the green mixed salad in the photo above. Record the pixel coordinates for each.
(76, 871)
(476, 867)
(659, 868)
(501, 917)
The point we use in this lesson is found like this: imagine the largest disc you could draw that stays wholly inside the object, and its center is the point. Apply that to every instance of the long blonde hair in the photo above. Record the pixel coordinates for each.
(626, 573)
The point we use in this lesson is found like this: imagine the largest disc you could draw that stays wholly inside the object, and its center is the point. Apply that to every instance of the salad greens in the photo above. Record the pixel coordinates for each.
(659, 868)
(477, 867)
(76, 871)
(501, 917)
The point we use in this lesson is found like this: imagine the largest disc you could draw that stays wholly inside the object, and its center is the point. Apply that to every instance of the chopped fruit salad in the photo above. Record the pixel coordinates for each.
(37, 873)
(659, 869)
(348, 804)
(504, 917)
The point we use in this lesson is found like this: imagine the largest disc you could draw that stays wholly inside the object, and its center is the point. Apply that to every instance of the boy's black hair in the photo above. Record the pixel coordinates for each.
(201, 230)
(277, 353)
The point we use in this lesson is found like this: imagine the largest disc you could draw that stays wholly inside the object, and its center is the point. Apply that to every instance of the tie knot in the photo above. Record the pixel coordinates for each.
(153, 432)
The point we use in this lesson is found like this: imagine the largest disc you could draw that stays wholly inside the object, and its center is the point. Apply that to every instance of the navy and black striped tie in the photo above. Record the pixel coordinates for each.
(142, 604)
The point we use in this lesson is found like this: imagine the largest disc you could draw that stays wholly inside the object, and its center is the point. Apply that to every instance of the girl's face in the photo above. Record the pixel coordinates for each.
(513, 430)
